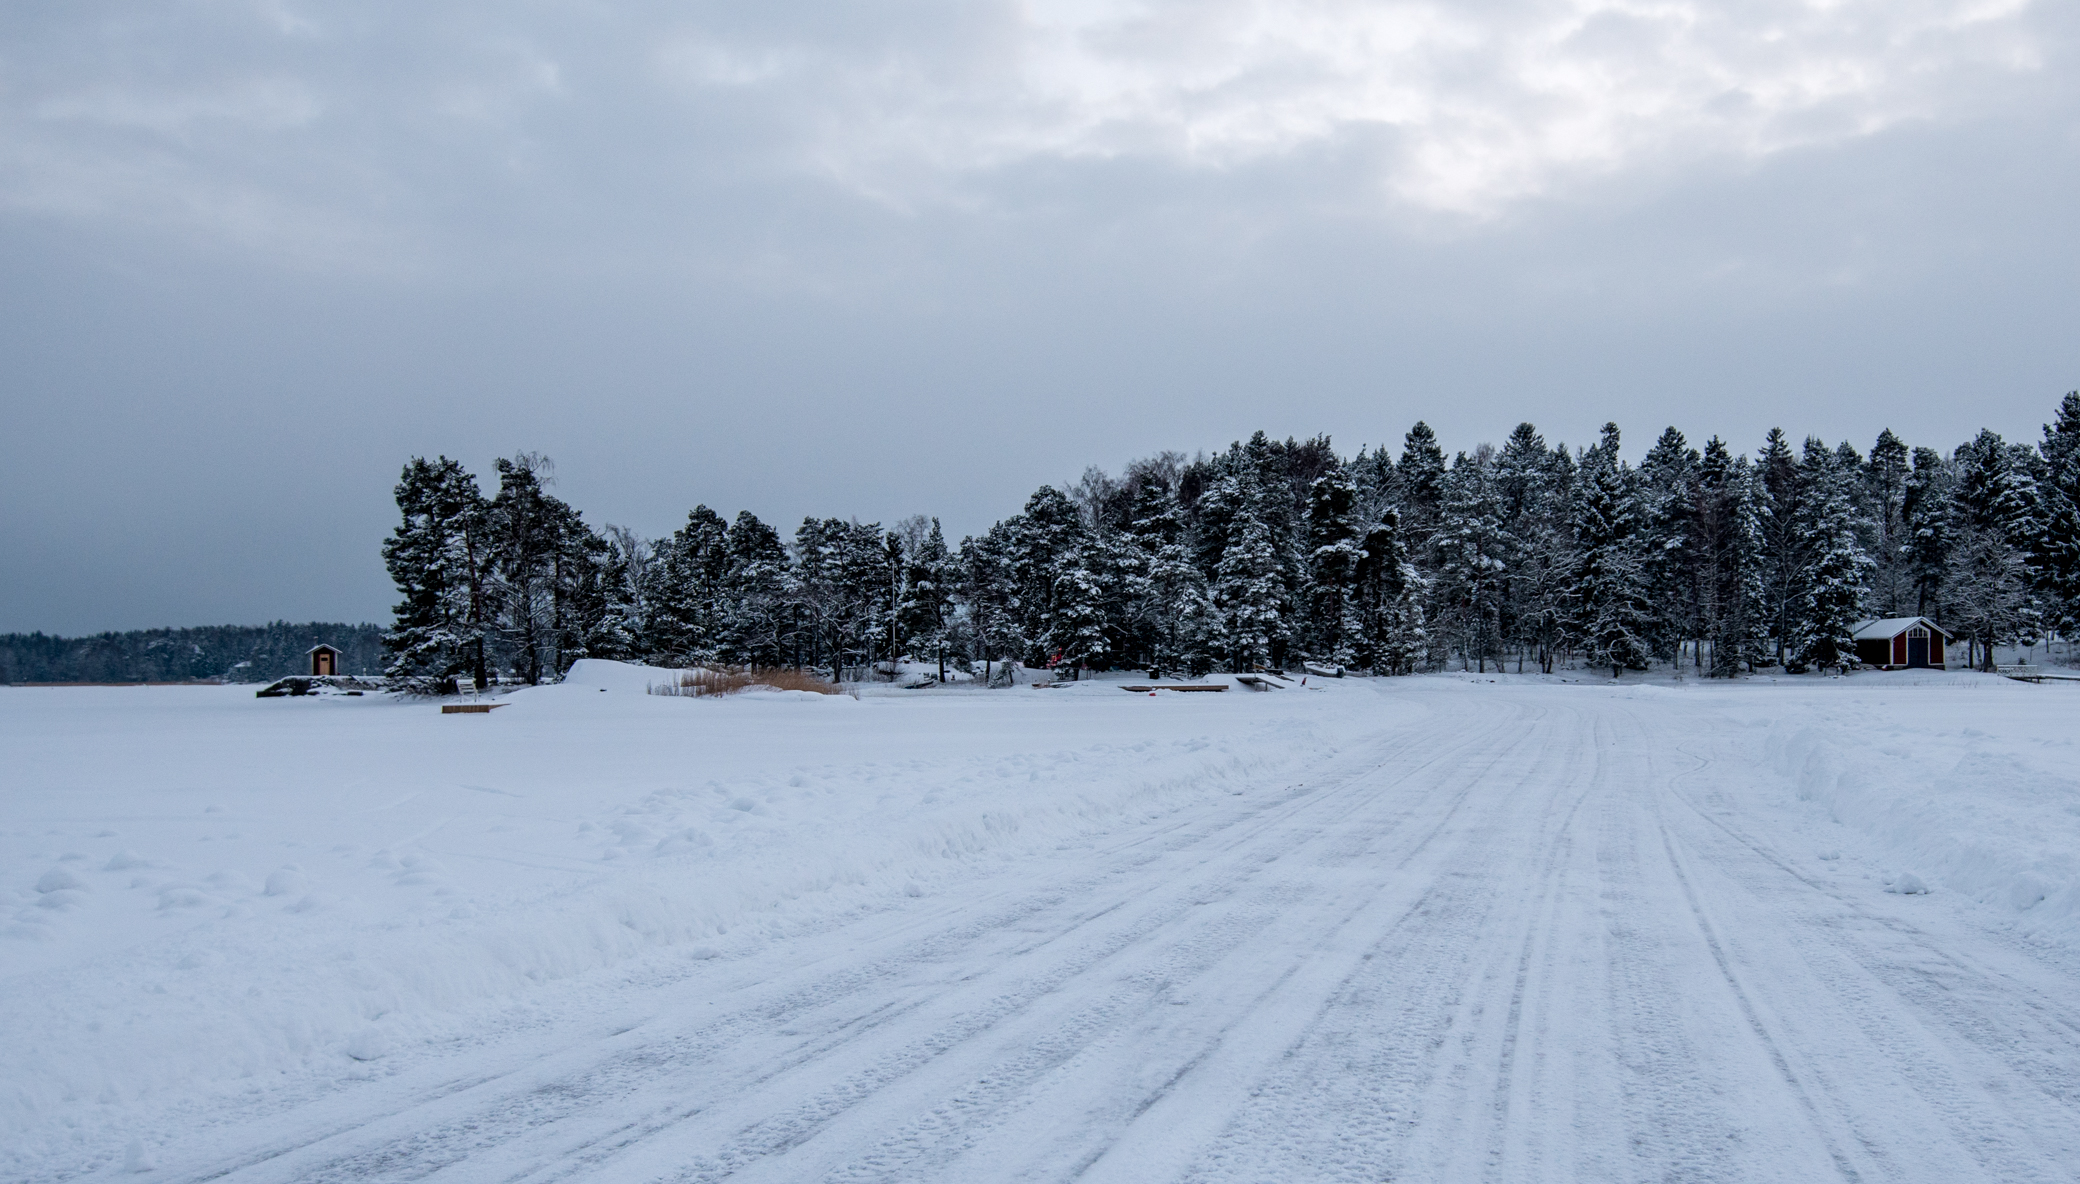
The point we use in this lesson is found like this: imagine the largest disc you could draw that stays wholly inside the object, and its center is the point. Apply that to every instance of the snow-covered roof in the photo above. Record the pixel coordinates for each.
(322, 646)
(1891, 627)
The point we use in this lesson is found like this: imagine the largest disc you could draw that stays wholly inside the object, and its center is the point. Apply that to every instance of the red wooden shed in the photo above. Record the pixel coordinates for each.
(1900, 643)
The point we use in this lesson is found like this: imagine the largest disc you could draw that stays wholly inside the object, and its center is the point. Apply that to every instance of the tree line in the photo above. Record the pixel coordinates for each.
(1276, 552)
(233, 653)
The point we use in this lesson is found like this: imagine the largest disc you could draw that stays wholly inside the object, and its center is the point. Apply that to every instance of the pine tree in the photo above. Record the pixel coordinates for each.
(1610, 619)
(440, 559)
(530, 532)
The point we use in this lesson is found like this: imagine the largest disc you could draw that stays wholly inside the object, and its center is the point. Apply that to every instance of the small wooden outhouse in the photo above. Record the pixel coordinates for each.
(1900, 643)
(324, 660)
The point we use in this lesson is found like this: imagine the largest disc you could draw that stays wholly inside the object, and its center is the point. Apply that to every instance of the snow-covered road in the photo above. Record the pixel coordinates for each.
(1537, 933)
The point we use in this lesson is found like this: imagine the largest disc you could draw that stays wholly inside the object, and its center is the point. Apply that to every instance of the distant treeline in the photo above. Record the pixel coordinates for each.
(236, 653)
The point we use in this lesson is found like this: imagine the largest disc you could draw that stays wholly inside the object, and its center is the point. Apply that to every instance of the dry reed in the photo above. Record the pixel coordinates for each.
(702, 681)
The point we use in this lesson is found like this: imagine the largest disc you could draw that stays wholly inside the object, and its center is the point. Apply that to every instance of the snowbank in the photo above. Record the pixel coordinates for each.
(1966, 793)
(628, 677)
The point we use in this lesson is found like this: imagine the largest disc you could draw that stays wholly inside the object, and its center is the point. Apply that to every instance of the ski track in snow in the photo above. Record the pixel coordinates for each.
(1556, 940)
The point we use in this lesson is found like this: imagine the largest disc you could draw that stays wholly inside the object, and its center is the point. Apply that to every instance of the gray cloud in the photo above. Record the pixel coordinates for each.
(885, 258)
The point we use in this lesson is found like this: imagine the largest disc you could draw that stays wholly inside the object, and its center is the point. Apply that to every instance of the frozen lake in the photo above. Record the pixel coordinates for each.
(1441, 928)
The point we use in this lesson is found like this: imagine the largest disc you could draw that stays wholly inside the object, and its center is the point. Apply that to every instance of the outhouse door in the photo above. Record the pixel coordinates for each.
(321, 662)
(1917, 647)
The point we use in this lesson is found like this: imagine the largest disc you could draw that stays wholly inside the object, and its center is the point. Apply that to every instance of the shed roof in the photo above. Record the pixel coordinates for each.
(322, 646)
(1890, 627)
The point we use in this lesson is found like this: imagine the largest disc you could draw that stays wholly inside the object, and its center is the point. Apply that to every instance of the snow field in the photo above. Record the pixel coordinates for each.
(212, 894)
(1443, 928)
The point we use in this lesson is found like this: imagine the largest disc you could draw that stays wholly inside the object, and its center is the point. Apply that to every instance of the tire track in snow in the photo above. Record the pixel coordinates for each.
(422, 1149)
(1769, 1042)
(1330, 829)
(1865, 974)
(1544, 908)
(1344, 1097)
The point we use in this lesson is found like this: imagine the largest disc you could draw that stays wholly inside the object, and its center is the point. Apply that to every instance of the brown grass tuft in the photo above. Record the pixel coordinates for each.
(702, 681)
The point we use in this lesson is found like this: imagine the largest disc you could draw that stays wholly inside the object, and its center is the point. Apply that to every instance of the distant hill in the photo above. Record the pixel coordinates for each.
(236, 653)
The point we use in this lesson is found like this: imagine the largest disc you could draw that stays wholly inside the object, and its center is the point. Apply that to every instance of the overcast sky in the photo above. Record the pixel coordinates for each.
(919, 256)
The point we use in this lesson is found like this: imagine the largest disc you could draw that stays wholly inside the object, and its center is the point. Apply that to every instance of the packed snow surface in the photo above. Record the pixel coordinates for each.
(1446, 928)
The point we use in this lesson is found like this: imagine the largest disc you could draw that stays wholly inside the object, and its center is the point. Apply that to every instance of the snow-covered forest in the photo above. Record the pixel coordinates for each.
(1526, 555)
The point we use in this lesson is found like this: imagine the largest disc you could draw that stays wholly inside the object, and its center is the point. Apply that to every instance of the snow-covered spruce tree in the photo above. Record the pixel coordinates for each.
(1784, 557)
(581, 593)
(1473, 557)
(1521, 486)
(624, 578)
(1926, 511)
(439, 558)
(1334, 552)
(755, 627)
(926, 611)
(1885, 475)
(686, 600)
(1838, 574)
(1249, 586)
(1061, 594)
(1176, 611)
(1667, 499)
(1610, 619)
(1536, 485)
(867, 576)
(1372, 472)
(2055, 553)
(989, 596)
(1285, 471)
(1387, 596)
(833, 591)
(812, 596)
(1728, 554)
(1419, 486)
(1076, 627)
(1986, 586)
